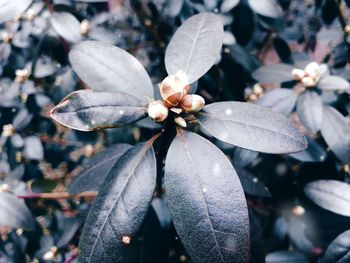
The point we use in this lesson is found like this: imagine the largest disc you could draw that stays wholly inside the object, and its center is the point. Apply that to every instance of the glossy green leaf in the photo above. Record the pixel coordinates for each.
(195, 46)
(121, 205)
(9, 9)
(97, 169)
(87, 110)
(310, 110)
(66, 25)
(336, 132)
(14, 212)
(206, 201)
(105, 67)
(331, 195)
(252, 127)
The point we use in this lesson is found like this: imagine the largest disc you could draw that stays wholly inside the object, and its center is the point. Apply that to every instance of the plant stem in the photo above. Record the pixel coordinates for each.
(57, 195)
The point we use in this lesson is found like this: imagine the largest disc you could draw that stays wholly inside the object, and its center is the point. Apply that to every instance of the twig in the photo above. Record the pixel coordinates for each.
(57, 195)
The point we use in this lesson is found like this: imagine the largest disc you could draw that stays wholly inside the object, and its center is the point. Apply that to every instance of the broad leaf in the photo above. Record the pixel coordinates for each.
(268, 8)
(333, 83)
(97, 169)
(331, 195)
(87, 110)
(338, 250)
(313, 153)
(66, 25)
(336, 132)
(121, 205)
(286, 256)
(206, 201)
(9, 9)
(310, 110)
(274, 73)
(105, 67)
(252, 127)
(195, 46)
(14, 212)
(279, 100)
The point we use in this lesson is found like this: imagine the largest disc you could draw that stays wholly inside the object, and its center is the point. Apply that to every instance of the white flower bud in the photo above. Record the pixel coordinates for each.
(308, 82)
(180, 121)
(174, 87)
(298, 74)
(313, 70)
(157, 111)
(192, 103)
(84, 27)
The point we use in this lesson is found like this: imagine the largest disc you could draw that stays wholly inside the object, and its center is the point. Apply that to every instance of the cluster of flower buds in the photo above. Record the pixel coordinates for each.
(256, 93)
(174, 91)
(22, 75)
(310, 76)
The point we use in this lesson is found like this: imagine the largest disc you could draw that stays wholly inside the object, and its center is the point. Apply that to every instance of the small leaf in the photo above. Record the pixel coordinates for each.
(105, 67)
(195, 46)
(9, 9)
(310, 110)
(66, 25)
(338, 250)
(251, 184)
(313, 153)
(333, 83)
(274, 73)
(228, 5)
(331, 195)
(251, 127)
(121, 205)
(97, 169)
(206, 201)
(268, 8)
(87, 110)
(336, 132)
(286, 256)
(279, 100)
(33, 148)
(14, 212)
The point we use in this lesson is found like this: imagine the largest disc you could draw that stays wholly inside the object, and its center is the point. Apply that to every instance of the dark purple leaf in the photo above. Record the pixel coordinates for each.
(252, 127)
(206, 201)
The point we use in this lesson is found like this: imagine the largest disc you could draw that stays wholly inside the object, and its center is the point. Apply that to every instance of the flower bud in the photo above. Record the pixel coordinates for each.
(192, 103)
(84, 27)
(308, 82)
(313, 70)
(157, 111)
(298, 74)
(180, 121)
(174, 87)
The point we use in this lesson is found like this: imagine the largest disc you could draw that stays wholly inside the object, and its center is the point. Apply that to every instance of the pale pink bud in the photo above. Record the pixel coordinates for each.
(174, 87)
(308, 82)
(157, 111)
(313, 70)
(192, 103)
(298, 74)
